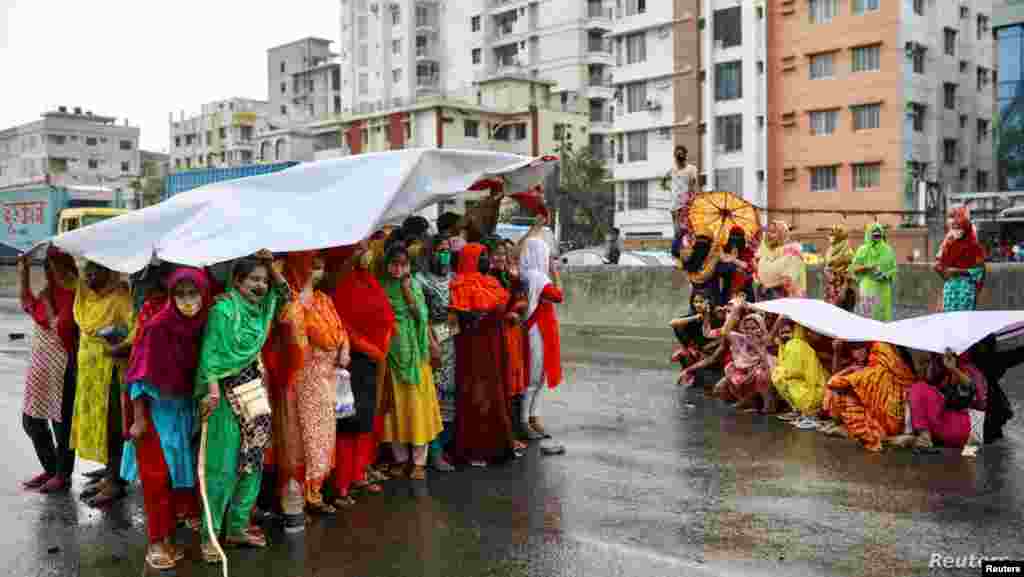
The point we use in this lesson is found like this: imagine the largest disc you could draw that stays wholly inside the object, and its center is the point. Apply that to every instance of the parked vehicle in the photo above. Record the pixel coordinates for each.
(187, 180)
(36, 211)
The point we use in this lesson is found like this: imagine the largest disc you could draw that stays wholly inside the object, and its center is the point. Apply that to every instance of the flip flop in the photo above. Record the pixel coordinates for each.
(344, 502)
(368, 488)
(160, 560)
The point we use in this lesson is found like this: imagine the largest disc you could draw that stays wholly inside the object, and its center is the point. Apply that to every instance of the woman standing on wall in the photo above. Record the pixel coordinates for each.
(961, 263)
(874, 267)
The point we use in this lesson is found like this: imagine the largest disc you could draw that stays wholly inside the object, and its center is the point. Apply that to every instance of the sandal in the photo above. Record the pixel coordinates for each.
(343, 502)
(93, 490)
(158, 558)
(37, 481)
(210, 554)
(419, 473)
(399, 471)
(249, 538)
(790, 416)
(368, 487)
(110, 494)
(376, 476)
(534, 423)
(320, 508)
(177, 551)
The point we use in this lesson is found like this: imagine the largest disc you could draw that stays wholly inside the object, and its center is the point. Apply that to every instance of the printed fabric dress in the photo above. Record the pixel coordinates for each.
(436, 290)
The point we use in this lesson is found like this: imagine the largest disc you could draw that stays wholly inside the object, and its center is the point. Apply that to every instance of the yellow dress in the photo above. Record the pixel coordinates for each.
(799, 376)
(95, 367)
(416, 418)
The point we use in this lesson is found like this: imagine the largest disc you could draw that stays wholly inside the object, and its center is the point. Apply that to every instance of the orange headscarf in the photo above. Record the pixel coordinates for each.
(470, 289)
(322, 324)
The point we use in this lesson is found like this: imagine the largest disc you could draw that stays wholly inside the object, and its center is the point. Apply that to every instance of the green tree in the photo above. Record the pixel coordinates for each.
(584, 198)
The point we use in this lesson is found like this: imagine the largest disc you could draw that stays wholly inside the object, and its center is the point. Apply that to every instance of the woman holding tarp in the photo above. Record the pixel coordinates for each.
(874, 268)
(781, 270)
(961, 264)
(233, 399)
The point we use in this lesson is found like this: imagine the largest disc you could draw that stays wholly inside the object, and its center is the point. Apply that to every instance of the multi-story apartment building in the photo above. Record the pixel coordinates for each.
(862, 93)
(657, 105)
(304, 82)
(734, 98)
(1008, 24)
(395, 52)
(222, 134)
(79, 146)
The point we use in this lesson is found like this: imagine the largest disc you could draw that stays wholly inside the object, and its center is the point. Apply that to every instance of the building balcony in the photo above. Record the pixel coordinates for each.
(599, 91)
(599, 17)
(427, 53)
(430, 83)
(498, 4)
(600, 52)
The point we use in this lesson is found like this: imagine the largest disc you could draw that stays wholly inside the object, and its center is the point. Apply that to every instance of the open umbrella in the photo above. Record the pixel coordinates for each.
(714, 214)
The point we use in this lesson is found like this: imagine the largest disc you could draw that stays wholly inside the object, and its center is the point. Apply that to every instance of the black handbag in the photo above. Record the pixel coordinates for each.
(959, 395)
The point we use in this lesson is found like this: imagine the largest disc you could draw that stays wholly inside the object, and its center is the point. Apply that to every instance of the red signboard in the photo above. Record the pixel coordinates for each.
(21, 213)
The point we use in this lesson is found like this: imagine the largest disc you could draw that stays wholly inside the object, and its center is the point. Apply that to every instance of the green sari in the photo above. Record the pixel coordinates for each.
(410, 347)
(874, 300)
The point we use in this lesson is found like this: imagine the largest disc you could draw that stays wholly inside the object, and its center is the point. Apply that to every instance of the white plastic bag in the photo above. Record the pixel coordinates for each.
(345, 403)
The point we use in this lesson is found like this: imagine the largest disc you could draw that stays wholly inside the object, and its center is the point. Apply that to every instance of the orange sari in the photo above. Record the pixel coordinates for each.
(870, 402)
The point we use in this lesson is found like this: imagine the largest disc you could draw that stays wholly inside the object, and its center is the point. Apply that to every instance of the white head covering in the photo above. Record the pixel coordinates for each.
(534, 263)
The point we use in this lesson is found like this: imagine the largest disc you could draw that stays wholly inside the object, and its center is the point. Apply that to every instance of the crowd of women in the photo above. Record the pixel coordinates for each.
(198, 382)
(874, 393)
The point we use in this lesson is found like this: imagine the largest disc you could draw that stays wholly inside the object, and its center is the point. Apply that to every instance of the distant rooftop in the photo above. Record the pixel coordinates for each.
(80, 114)
(312, 39)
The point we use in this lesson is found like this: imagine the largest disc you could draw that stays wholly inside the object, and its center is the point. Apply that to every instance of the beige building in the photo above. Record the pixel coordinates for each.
(863, 92)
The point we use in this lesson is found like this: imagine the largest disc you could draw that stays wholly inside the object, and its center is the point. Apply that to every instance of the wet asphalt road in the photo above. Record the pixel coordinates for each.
(656, 482)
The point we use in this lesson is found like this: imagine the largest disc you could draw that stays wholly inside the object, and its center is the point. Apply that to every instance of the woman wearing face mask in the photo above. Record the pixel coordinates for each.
(436, 281)
(369, 320)
(236, 331)
(415, 420)
(306, 347)
(160, 380)
(781, 271)
(961, 263)
(874, 268)
(507, 273)
(483, 429)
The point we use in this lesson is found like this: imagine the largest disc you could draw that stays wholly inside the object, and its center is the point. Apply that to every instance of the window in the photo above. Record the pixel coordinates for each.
(636, 48)
(476, 55)
(474, 24)
(950, 36)
(634, 7)
(362, 27)
(982, 26)
(823, 11)
(965, 12)
(284, 67)
(981, 181)
(471, 128)
(58, 139)
(126, 167)
(364, 83)
(949, 149)
(917, 113)
(520, 131)
(637, 194)
(918, 57)
(963, 67)
(982, 78)
(867, 58)
(729, 133)
(94, 164)
(636, 143)
(396, 46)
(364, 54)
(862, 6)
(963, 121)
(983, 128)
(866, 116)
(949, 92)
(728, 27)
(396, 16)
(636, 96)
(284, 110)
(919, 7)
(91, 141)
(126, 145)
(823, 122)
(822, 65)
(728, 81)
(396, 75)
(729, 179)
(824, 178)
(284, 88)
(867, 176)
(177, 142)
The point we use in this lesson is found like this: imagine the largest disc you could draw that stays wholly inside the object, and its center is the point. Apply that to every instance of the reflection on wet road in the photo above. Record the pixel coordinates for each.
(656, 482)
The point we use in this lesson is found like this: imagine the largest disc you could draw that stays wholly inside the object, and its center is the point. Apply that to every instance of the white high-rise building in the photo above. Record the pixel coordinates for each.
(395, 52)
(222, 134)
(734, 98)
(304, 82)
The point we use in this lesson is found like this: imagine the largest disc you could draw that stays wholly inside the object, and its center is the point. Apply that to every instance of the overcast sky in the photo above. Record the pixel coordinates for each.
(142, 59)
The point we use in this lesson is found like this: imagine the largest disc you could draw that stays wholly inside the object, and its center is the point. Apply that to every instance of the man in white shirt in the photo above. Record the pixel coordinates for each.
(684, 183)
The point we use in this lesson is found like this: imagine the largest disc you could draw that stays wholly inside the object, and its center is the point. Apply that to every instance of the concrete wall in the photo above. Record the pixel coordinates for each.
(622, 296)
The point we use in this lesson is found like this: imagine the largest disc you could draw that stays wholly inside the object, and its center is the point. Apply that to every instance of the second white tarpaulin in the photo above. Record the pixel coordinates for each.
(310, 206)
(934, 333)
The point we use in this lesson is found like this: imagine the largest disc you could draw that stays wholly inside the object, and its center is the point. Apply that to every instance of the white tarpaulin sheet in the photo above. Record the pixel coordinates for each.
(935, 333)
(310, 206)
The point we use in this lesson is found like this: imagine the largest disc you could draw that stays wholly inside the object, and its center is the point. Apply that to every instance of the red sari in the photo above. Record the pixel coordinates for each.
(515, 344)
(483, 427)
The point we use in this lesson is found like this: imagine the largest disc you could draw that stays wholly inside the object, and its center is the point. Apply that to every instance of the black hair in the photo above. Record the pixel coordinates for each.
(416, 226)
(737, 242)
(448, 221)
(243, 267)
(394, 251)
(682, 149)
(701, 249)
